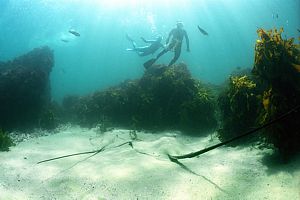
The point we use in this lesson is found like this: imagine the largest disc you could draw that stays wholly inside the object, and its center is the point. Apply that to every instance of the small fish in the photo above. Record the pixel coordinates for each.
(298, 30)
(74, 33)
(202, 31)
(64, 40)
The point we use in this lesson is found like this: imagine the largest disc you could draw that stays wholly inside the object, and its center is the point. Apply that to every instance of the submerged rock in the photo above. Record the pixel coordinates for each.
(276, 61)
(271, 90)
(25, 89)
(239, 107)
(164, 98)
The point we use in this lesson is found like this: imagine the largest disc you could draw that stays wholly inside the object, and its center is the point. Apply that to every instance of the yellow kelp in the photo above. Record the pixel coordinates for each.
(277, 67)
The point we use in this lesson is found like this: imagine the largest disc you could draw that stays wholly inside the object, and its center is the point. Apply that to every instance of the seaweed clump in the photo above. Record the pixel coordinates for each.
(5, 141)
(277, 69)
(271, 90)
(238, 106)
(164, 98)
(25, 89)
(180, 101)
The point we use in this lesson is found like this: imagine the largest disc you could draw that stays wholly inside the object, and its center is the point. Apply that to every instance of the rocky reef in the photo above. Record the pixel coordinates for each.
(164, 98)
(239, 106)
(269, 91)
(25, 89)
(277, 69)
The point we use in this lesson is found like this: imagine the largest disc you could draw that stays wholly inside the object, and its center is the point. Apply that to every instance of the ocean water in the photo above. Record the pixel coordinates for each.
(101, 162)
(98, 59)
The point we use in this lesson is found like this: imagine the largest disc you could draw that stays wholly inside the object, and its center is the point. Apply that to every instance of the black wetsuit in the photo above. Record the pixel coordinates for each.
(175, 45)
(146, 50)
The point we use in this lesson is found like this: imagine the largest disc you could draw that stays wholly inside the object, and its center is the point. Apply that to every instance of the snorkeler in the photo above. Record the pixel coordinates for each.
(177, 35)
(146, 50)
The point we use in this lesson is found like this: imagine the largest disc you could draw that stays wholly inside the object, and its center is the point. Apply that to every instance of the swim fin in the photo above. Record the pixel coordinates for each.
(149, 63)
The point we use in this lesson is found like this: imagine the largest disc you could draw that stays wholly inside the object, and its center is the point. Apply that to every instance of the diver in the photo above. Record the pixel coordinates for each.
(153, 46)
(175, 44)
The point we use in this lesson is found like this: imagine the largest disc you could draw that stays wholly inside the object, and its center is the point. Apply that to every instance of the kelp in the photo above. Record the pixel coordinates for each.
(175, 158)
(181, 101)
(5, 141)
(198, 113)
(238, 107)
(163, 98)
(272, 90)
(277, 70)
(275, 57)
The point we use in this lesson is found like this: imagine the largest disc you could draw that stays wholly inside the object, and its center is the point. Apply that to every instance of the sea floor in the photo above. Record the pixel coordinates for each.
(144, 171)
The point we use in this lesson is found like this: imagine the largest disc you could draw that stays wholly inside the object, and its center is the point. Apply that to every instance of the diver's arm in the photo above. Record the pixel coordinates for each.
(170, 34)
(187, 41)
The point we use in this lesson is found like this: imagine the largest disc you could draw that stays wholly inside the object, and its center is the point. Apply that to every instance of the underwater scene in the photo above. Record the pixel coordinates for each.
(150, 99)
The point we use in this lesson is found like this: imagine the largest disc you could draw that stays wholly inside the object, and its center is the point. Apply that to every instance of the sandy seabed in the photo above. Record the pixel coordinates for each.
(144, 171)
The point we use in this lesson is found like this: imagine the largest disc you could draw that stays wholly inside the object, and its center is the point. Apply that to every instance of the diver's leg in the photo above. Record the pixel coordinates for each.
(161, 53)
(142, 51)
(176, 55)
(165, 50)
(138, 49)
(134, 44)
(131, 40)
(150, 62)
(143, 54)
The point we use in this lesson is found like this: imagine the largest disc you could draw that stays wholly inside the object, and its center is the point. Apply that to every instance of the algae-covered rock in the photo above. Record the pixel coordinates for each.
(277, 68)
(164, 98)
(238, 106)
(25, 89)
(5, 141)
(198, 113)
(272, 90)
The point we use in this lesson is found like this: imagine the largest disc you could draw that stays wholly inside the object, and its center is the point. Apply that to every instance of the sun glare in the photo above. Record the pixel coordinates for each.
(117, 4)
(114, 4)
